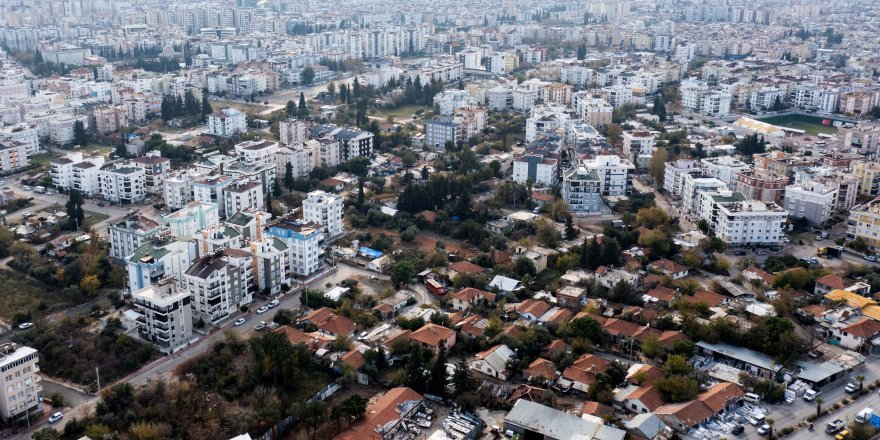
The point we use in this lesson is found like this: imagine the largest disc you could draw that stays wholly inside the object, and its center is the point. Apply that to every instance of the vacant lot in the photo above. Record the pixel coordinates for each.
(400, 114)
(23, 294)
(254, 109)
(812, 125)
(93, 218)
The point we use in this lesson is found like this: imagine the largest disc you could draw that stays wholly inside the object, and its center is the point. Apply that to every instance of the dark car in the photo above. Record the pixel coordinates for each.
(737, 430)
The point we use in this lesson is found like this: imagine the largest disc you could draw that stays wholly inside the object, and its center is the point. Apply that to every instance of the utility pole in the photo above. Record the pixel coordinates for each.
(98, 374)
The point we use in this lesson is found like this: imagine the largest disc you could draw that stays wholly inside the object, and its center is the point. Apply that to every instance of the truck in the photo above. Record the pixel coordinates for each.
(39, 189)
(830, 251)
(864, 415)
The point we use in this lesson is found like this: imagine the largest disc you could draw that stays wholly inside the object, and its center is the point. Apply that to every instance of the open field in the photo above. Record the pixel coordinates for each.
(22, 294)
(812, 125)
(93, 218)
(252, 108)
(400, 114)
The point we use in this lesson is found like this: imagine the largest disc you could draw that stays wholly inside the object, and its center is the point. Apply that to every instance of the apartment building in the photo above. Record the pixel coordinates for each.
(811, 200)
(109, 120)
(325, 209)
(673, 175)
(245, 196)
(131, 233)
(545, 120)
(19, 381)
(74, 171)
(123, 184)
(541, 168)
(864, 223)
(177, 188)
(302, 157)
(260, 153)
(192, 218)
(165, 314)
(210, 189)
(160, 258)
(594, 111)
(293, 132)
(765, 98)
(440, 131)
(354, 143)
(698, 96)
(757, 185)
(271, 264)
(614, 174)
(694, 188)
(218, 287)
(27, 134)
(581, 191)
(737, 220)
(61, 127)
(13, 156)
(638, 146)
(723, 167)
(155, 169)
(227, 122)
(869, 177)
(305, 242)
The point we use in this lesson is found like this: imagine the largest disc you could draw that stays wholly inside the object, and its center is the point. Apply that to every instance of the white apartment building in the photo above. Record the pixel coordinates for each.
(440, 131)
(131, 233)
(698, 96)
(765, 97)
(576, 75)
(594, 111)
(19, 381)
(354, 143)
(811, 200)
(302, 157)
(227, 122)
(541, 169)
(260, 153)
(177, 188)
(614, 174)
(524, 99)
(545, 119)
(165, 315)
(27, 134)
(693, 189)
(210, 189)
(271, 262)
(673, 175)
(293, 132)
(245, 196)
(124, 184)
(737, 220)
(192, 218)
(73, 171)
(723, 167)
(325, 209)
(219, 287)
(499, 98)
(305, 242)
(638, 146)
(450, 100)
(581, 191)
(328, 152)
(61, 127)
(155, 168)
(13, 155)
(158, 259)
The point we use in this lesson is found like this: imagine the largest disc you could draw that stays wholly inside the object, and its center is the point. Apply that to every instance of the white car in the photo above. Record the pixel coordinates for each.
(764, 429)
(757, 419)
(26, 188)
(238, 322)
(811, 395)
(55, 417)
(262, 310)
(260, 326)
(25, 325)
(870, 258)
(274, 303)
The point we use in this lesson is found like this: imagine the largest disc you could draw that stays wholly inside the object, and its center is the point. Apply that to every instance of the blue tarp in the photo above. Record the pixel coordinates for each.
(369, 253)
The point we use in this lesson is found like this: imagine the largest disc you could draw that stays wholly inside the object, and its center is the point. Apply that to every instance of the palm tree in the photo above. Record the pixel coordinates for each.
(770, 422)
(861, 379)
(819, 401)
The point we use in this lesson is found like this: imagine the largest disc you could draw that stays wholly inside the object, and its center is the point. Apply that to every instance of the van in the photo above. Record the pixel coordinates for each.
(751, 398)
(864, 415)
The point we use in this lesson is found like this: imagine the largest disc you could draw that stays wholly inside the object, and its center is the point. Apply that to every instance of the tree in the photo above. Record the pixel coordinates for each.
(651, 346)
(659, 108)
(547, 233)
(462, 380)
(288, 176)
(678, 388)
(657, 166)
(80, 134)
(269, 203)
(570, 231)
(308, 75)
(677, 365)
(290, 108)
(861, 379)
(311, 416)
(770, 423)
(90, 284)
(74, 210)
(46, 434)
(302, 109)
(331, 89)
(819, 401)
(206, 104)
(414, 373)
(359, 166)
(439, 377)
(402, 272)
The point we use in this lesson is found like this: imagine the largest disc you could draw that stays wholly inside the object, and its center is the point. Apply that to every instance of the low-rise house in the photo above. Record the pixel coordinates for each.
(830, 282)
(532, 309)
(329, 323)
(669, 268)
(572, 297)
(541, 369)
(465, 267)
(505, 285)
(709, 298)
(660, 295)
(468, 297)
(647, 427)
(493, 362)
(473, 326)
(609, 277)
(644, 399)
(386, 413)
(582, 373)
(432, 335)
(539, 421)
(720, 397)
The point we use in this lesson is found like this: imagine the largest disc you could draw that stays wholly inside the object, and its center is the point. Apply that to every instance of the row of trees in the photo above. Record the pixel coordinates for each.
(188, 106)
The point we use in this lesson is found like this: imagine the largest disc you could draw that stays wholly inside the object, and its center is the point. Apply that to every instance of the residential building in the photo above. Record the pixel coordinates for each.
(493, 362)
(27, 134)
(700, 97)
(259, 153)
(582, 191)
(125, 183)
(719, 398)
(766, 98)
(354, 143)
(432, 336)
(109, 119)
(210, 189)
(131, 233)
(760, 185)
(594, 111)
(541, 168)
(13, 156)
(440, 131)
(329, 323)
(388, 411)
(293, 132)
(532, 420)
(325, 209)
(155, 169)
(811, 200)
(19, 382)
(673, 175)
(725, 168)
(165, 314)
(638, 146)
(614, 174)
(74, 171)
(177, 188)
(218, 288)
(61, 127)
(869, 177)
(864, 223)
(305, 242)
(738, 220)
(302, 157)
(694, 189)
(244, 196)
(158, 259)
(271, 264)
(192, 218)
(227, 122)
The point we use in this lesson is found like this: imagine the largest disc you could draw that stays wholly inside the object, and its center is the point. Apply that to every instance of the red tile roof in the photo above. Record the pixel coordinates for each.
(707, 297)
(466, 267)
(382, 411)
(649, 395)
(328, 321)
(863, 328)
(541, 368)
(431, 334)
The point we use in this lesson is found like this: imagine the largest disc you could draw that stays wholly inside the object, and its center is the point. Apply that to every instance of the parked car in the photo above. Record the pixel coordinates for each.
(101, 204)
(843, 435)
(262, 309)
(25, 325)
(870, 258)
(260, 326)
(274, 303)
(811, 395)
(834, 426)
(26, 188)
(851, 388)
(56, 417)
(764, 429)
(757, 419)
(737, 430)
(238, 322)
